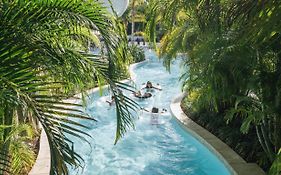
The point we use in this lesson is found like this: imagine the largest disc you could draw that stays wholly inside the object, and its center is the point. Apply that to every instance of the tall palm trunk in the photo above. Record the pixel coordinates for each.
(133, 21)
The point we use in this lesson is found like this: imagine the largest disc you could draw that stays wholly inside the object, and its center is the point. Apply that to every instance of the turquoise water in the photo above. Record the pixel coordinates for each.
(150, 149)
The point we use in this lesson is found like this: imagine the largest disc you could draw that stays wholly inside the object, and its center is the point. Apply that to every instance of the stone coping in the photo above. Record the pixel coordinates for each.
(42, 164)
(230, 158)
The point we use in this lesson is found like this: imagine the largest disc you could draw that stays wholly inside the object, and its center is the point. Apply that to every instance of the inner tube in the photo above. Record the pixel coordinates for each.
(146, 95)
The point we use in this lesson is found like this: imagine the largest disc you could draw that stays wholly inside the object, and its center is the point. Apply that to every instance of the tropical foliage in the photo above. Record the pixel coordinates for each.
(137, 53)
(44, 59)
(233, 65)
(134, 16)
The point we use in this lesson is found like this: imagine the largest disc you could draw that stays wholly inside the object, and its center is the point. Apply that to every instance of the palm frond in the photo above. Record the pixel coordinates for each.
(41, 66)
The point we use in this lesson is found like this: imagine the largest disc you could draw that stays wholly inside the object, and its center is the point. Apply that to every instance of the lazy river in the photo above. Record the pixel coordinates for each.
(164, 149)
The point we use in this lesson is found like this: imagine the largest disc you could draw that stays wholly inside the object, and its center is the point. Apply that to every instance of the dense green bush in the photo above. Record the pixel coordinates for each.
(246, 145)
(137, 54)
(233, 68)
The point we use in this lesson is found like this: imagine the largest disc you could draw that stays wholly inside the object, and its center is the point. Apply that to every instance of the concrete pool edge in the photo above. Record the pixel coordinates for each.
(42, 164)
(230, 158)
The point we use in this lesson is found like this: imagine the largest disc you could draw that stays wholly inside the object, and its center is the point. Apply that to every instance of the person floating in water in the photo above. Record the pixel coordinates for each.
(155, 110)
(139, 95)
(112, 101)
(155, 114)
(150, 86)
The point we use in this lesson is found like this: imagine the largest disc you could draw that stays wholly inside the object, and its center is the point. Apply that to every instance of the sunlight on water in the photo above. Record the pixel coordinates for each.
(149, 149)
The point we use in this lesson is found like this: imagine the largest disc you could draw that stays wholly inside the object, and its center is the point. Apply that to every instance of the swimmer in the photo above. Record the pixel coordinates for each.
(155, 110)
(112, 101)
(150, 86)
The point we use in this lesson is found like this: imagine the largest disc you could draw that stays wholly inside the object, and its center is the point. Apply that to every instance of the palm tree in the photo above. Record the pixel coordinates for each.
(134, 4)
(44, 61)
(133, 20)
(233, 57)
(23, 156)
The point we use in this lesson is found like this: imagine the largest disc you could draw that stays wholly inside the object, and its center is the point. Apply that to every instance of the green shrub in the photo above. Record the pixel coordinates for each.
(246, 145)
(137, 54)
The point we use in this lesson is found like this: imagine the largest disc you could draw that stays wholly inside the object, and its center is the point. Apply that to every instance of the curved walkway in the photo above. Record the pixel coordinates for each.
(231, 159)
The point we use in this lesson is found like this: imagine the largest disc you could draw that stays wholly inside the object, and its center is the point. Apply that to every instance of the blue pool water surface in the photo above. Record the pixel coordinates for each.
(163, 149)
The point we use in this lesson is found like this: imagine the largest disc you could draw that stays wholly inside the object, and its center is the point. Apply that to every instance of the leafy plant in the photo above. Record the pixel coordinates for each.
(22, 154)
(232, 51)
(43, 58)
(276, 166)
(137, 53)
